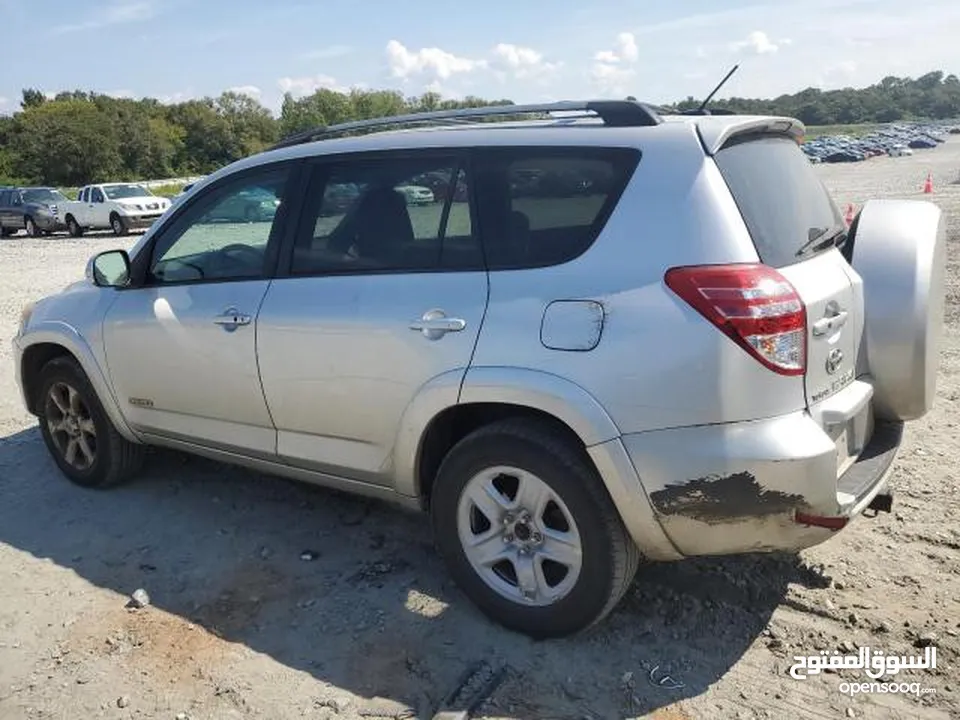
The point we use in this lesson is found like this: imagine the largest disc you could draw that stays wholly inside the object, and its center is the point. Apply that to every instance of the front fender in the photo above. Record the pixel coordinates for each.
(67, 337)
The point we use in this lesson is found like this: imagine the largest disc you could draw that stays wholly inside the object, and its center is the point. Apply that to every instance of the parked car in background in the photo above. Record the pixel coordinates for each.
(899, 150)
(845, 148)
(120, 207)
(250, 205)
(634, 337)
(416, 194)
(37, 210)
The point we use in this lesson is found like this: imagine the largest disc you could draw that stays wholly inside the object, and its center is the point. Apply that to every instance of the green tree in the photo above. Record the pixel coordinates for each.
(32, 98)
(66, 142)
(250, 124)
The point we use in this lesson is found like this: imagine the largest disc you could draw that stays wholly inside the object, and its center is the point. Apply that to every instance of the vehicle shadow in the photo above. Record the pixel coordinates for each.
(352, 593)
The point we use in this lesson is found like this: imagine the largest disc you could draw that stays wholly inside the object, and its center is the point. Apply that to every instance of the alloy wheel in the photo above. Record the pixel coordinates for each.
(519, 536)
(71, 426)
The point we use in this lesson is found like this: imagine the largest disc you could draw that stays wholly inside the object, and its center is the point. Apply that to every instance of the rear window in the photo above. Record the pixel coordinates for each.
(784, 204)
(545, 206)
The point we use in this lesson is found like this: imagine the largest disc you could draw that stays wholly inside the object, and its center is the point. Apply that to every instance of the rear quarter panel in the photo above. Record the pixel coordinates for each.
(658, 363)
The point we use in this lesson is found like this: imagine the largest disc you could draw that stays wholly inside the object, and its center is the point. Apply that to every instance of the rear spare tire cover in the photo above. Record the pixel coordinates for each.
(899, 250)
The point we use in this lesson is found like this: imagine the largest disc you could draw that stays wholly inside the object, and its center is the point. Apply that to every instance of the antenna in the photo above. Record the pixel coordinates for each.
(709, 97)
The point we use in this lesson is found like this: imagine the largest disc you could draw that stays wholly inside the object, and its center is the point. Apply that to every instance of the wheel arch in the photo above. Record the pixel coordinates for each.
(45, 345)
(445, 410)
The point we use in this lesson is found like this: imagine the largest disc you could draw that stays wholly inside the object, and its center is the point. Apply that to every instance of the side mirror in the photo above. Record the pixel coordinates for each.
(109, 269)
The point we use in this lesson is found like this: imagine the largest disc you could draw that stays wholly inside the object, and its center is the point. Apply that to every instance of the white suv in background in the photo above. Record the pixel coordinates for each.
(120, 207)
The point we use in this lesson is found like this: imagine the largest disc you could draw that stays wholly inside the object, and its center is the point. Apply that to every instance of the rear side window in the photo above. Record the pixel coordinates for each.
(388, 215)
(784, 204)
(546, 206)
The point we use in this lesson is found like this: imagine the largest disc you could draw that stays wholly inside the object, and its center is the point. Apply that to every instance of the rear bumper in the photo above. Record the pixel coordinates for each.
(739, 487)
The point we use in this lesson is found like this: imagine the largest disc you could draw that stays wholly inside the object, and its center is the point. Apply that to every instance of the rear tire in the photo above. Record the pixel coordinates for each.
(7, 232)
(77, 431)
(552, 522)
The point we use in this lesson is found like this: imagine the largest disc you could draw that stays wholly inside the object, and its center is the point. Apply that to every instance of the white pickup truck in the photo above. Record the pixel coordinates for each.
(116, 206)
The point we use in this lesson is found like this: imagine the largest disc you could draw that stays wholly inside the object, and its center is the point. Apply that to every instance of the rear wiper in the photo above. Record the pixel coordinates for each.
(830, 237)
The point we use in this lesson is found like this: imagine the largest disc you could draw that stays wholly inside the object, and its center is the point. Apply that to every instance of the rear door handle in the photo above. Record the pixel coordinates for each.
(435, 324)
(231, 319)
(825, 325)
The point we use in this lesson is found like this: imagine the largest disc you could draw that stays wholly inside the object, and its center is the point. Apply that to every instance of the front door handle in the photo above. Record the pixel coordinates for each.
(231, 319)
(435, 324)
(833, 322)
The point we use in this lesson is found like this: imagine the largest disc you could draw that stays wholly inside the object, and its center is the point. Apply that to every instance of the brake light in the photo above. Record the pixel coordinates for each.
(754, 305)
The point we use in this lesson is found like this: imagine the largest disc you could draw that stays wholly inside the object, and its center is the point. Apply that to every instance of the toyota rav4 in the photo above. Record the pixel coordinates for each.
(610, 335)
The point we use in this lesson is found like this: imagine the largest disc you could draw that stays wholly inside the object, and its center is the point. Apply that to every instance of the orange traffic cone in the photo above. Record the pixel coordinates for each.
(928, 184)
(850, 214)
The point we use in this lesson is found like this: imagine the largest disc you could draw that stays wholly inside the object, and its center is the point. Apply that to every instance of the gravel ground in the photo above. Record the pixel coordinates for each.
(273, 600)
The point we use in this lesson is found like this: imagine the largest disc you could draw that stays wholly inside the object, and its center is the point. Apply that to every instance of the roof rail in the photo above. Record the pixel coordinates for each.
(616, 113)
(709, 111)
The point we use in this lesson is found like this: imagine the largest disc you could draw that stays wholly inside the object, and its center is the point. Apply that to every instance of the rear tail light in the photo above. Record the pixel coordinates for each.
(754, 305)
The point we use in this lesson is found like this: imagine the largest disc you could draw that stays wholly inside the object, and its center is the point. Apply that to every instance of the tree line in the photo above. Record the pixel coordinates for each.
(79, 137)
(933, 96)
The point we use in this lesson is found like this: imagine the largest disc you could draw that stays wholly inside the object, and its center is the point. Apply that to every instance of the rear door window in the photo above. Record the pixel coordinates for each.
(388, 215)
(784, 204)
(545, 206)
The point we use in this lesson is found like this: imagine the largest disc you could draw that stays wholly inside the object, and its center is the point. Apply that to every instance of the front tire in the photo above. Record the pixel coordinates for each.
(78, 434)
(528, 531)
(118, 225)
(31, 227)
(73, 227)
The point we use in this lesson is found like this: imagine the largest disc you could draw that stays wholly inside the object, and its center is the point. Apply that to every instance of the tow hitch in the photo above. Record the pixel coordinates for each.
(883, 502)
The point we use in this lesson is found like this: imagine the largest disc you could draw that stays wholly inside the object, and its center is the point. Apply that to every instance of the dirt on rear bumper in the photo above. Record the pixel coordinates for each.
(738, 488)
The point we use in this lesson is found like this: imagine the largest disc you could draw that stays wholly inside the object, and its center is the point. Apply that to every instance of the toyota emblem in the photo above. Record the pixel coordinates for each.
(834, 359)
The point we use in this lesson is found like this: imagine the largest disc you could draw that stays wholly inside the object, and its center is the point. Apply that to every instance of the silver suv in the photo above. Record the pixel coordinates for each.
(576, 335)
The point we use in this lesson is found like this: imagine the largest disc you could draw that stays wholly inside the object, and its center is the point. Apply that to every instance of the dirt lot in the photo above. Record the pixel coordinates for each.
(241, 626)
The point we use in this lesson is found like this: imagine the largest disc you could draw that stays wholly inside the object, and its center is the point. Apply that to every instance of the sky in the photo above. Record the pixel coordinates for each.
(524, 50)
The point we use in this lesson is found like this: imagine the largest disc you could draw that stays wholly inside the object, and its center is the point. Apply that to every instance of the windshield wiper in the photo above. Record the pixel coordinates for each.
(829, 237)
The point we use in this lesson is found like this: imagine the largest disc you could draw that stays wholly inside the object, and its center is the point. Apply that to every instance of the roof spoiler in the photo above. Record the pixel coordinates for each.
(715, 133)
